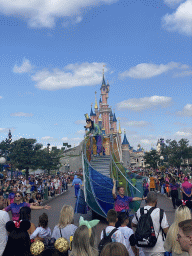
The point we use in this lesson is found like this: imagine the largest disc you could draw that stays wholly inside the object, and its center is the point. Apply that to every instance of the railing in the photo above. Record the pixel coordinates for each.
(132, 183)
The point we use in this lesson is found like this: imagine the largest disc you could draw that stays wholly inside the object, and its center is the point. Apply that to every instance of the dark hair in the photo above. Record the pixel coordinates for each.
(112, 216)
(43, 220)
(18, 240)
(114, 249)
(119, 188)
(122, 217)
(25, 213)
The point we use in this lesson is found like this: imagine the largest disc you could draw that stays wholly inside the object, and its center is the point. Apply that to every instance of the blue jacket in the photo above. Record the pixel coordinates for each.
(76, 181)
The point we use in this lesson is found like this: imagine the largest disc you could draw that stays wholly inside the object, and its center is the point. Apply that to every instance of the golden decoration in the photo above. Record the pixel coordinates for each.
(37, 247)
(61, 244)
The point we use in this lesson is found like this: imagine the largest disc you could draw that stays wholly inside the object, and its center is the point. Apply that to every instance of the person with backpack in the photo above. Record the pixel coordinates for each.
(151, 223)
(111, 233)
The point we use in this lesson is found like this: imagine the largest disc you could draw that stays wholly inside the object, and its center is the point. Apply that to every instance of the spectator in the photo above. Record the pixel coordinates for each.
(81, 245)
(6, 191)
(186, 189)
(38, 199)
(171, 245)
(155, 215)
(127, 232)
(43, 231)
(25, 214)
(4, 218)
(112, 219)
(184, 236)
(12, 195)
(65, 227)
(152, 183)
(174, 192)
(114, 249)
(18, 240)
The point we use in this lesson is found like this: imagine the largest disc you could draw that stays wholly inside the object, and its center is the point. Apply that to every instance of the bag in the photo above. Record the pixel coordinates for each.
(145, 232)
(105, 240)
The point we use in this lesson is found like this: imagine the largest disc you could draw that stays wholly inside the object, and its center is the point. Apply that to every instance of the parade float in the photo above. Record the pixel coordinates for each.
(104, 158)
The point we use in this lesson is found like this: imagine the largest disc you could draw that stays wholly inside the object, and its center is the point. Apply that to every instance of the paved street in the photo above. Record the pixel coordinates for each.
(69, 198)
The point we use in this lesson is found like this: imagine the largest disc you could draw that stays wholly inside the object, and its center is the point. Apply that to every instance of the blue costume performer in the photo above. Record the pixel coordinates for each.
(76, 183)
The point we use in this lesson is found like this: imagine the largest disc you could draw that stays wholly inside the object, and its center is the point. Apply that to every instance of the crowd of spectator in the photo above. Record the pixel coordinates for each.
(35, 189)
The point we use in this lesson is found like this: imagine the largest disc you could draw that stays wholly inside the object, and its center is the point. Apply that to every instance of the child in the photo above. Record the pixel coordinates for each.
(127, 232)
(112, 219)
(43, 231)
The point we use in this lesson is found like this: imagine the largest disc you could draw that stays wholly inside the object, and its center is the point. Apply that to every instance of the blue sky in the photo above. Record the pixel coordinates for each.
(52, 55)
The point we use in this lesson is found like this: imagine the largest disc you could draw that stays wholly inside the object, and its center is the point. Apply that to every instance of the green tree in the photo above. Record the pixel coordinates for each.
(24, 154)
(152, 158)
(49, 160)
(175, 151)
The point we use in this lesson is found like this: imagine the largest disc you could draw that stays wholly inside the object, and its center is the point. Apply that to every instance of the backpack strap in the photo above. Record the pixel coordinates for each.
(112, 232)
(60, 233)
(160, 220)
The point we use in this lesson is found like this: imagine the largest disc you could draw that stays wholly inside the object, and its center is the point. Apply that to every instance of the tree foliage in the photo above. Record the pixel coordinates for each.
(152, 158)
(175, 152)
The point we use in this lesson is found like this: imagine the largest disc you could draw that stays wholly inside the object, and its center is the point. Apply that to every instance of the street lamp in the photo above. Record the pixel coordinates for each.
(161, 158)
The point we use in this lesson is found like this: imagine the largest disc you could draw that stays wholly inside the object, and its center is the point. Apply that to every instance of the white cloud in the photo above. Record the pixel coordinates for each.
(144, 103)
(187, 110)
(173, 2)
(183, 134)
(148, 70)
(65, 139)
(81, 132)
(148, 141)
(21, 114)
(180, 20)
(24, 68)
(47, 138)
(136, 123)
(43, 13)
(72, 75)
(81, 122)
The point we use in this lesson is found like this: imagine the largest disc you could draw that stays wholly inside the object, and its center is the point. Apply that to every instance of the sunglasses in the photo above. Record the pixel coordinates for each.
(17, 196)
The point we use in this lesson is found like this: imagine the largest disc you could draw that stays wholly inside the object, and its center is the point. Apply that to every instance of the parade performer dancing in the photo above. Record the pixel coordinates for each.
(94, 131)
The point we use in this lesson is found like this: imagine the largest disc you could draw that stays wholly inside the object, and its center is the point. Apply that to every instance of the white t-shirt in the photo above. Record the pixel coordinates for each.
(4, 218)
(155, 215)
(116, 237)
(127, 232)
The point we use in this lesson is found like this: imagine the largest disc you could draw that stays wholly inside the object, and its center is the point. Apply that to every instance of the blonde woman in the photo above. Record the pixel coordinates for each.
(65, 228)
(171, 245)
(82, 244)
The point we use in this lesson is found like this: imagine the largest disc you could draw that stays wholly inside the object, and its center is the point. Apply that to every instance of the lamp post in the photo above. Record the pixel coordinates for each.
(161, 158)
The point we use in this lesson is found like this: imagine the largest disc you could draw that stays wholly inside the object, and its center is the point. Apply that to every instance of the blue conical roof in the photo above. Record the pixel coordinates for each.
(91, 113)
(103, 81)
(100, 100)
(125, 141)
(114, 118)
(111, 113)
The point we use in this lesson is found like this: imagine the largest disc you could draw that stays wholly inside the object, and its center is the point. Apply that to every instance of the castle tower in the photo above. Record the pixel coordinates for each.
(114, 123)
(119, 131)
(111, 121)
(91, 114)
(125, 151)
(104, 109)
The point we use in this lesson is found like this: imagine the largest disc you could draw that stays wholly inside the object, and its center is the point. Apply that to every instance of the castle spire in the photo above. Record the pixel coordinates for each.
(96, 100)
(91, 113)
(120, 132)
(103, 81)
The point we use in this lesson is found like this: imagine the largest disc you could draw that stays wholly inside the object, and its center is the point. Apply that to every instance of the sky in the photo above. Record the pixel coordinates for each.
(52, 58)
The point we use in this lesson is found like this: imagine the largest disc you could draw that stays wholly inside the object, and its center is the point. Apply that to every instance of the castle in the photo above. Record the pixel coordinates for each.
(107, 121)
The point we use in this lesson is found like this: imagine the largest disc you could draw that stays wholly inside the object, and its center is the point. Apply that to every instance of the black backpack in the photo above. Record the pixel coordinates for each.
(145, 232)
(105, 240)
